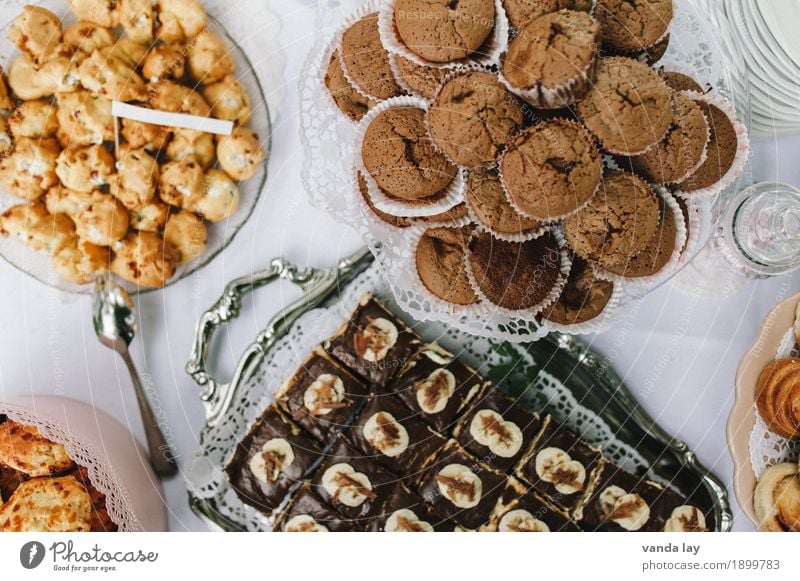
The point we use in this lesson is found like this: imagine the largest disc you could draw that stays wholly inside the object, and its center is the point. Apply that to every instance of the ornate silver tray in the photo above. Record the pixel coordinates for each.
(557, 374)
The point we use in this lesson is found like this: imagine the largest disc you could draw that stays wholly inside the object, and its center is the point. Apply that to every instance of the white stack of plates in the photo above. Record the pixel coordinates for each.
(766, 33)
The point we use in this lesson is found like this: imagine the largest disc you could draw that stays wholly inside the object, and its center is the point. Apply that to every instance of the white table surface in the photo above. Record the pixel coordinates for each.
(678, 354)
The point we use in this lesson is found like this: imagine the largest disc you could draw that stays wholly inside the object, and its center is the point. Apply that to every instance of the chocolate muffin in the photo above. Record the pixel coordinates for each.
(442, 31)
(617, 224)
(551, 169)
(473, 118)
(347, 99)
(521, 12)
(552, 60)
(658, 251)
(680, 82)
(490, 205)
(367, 61)
(396, 221)
(455, 213)
(632, 25)
(422, 79)
(440, 264)
(515, 275)
(628, 109)
(721, 152)
(681, 151)
(584, 296)
(400, 156)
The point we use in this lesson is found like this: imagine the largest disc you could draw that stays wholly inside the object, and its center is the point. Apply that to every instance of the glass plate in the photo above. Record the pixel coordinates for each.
(37, 264)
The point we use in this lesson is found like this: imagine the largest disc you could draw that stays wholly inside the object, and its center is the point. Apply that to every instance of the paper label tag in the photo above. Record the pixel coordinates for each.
(166, 119)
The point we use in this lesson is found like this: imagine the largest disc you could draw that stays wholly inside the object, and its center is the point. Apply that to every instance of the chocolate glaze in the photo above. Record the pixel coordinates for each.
(322, 426)
(305, 501)
(517, 496)
(403, 498)
(262, 495)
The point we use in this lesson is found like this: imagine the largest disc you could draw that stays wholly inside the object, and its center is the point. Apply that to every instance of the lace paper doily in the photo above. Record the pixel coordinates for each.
(102, 476)
(767, 448)
(205, 471)
(327, 138)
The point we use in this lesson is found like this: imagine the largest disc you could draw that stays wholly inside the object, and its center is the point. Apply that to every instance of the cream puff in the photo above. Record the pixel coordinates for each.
(52, 233)
(6, 102)
(85, 169)
(18, 221)
(30, 170)
(180, 183)
(228, 100)
(165, 61)
(151, 217)
(187, 233)
(6, 141)
(210, 59)
(137, 177)
(103, 222)
(61, 200)
(87, 37)
(179, 20)
(240, 153)
(80, 262)
(33, 119)
(145, 259)
(25, 80)
(128, 51)
(138, 135)
(176, 98)
(101, 12)
(220, 197)
(84, 119)
(137, 18)
(111, 77)
(188, 145)
(36, 31)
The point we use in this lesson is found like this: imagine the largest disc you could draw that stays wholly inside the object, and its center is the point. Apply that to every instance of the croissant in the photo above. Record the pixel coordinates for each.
(777, 499)
(778, 397)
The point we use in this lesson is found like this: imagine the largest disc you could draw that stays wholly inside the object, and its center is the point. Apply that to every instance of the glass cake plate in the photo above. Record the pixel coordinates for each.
(223, 22)
(699, 44)
(558, 375)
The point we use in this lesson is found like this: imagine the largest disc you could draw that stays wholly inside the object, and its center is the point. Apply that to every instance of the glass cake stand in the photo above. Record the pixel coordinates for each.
(220, 235)
(700, 43)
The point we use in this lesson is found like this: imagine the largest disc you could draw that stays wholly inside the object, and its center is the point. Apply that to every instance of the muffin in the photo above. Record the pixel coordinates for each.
(628, 108)
(680, 82)
(722, 147)
(396, 221)
(422, 79)
(240, 153)
(144, 259)
(473, 117)
(584, 296)
(440, 263)
(682, 150)
(440, 31)
(515, 275)
(401, 158)
(656, 255)
(85, 169)
(490, 206)
(347, 99)
(552, 61)
(617, 224)
(551, 169)
(522, 12)
(209, 59)
(632, 25)
(366, 61)
(180, 20)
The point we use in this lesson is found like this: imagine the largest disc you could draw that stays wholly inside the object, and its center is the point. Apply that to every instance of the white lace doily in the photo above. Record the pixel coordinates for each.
(767, 448)
(327, 138)
(205, 471)
(102, 476)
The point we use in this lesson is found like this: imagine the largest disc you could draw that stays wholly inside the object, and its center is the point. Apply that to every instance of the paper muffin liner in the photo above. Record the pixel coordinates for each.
(531, 312)
(682, 68)
(699, 218)
(374, 222)
(408, 255)
(454, 73)
(553, 217)
(368, 8)
(742, 148)
(451, 197)
(672, 264)
(398, 77)
(523, 236)
(488, 54)
(562, 95)
(326, 54)
(596, 325)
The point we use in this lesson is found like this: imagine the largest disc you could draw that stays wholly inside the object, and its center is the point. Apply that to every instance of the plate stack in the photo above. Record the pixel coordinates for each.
(765, 32)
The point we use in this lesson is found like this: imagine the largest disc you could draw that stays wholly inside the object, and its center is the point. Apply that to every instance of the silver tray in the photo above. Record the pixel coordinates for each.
(591, 381)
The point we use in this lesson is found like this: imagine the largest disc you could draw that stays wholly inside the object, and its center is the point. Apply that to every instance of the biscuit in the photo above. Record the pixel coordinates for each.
(23, 448)
(47, 505)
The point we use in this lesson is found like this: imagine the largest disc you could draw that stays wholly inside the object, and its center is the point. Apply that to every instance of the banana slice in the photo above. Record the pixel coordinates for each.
(686, 519)
(304, 523)
(777, 499)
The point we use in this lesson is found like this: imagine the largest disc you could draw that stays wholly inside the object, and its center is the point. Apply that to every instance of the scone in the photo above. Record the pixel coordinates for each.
(47, 505)
(85, 169)
(23, 448)
(240, 153)
(145, 259)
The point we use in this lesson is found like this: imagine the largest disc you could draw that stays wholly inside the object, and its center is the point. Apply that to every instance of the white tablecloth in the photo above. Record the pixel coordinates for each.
(678, 354)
